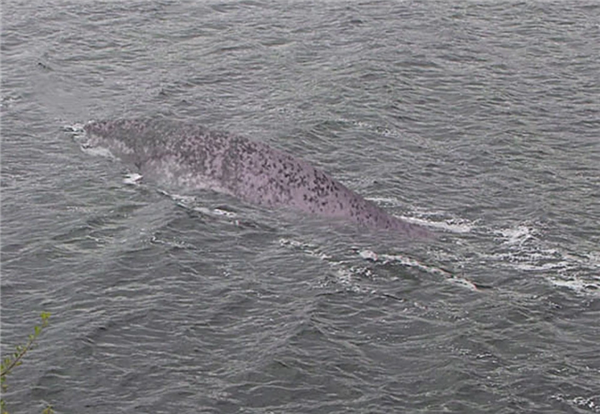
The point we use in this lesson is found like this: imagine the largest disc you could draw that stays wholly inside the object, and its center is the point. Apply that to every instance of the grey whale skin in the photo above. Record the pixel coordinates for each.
(192, 157)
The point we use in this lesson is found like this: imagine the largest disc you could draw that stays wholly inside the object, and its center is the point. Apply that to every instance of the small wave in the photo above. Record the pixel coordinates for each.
(410, 262)
(97, 152)
(346, 273)
(191, 203)
(451, 225)
(307, 248)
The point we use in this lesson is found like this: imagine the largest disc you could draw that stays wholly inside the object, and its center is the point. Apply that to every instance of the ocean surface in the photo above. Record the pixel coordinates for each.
(479, 120)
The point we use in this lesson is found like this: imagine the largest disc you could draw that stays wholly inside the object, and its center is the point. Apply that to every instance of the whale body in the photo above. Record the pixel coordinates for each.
(191, 157)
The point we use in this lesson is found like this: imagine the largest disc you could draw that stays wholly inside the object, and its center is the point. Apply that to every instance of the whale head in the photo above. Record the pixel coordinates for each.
(131, 141)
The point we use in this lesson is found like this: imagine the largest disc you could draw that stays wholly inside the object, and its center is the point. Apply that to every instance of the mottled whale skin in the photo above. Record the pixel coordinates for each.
(192, 157)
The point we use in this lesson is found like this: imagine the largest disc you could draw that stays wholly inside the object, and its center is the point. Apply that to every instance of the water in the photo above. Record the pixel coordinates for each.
(479, 120)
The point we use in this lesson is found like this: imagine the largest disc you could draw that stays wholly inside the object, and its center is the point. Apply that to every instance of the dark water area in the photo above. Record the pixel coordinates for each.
(478, 120)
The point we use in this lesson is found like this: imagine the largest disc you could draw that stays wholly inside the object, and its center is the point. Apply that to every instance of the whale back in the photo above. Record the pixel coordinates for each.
(192, 157)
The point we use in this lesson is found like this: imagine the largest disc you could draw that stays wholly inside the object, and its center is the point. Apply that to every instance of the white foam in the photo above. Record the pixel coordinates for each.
(458, 226)
(384, 200)
(210, 211)
(517, 235)
(97, 151)
(577, 285)
(225, 213)
(75, 128)
(190, 202)
(423, 218)
(132, 179)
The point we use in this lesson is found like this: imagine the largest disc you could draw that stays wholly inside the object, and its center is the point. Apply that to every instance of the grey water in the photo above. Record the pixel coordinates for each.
(478, 120)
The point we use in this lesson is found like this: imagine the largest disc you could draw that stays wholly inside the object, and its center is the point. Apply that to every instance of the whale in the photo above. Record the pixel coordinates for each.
(191, 157)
